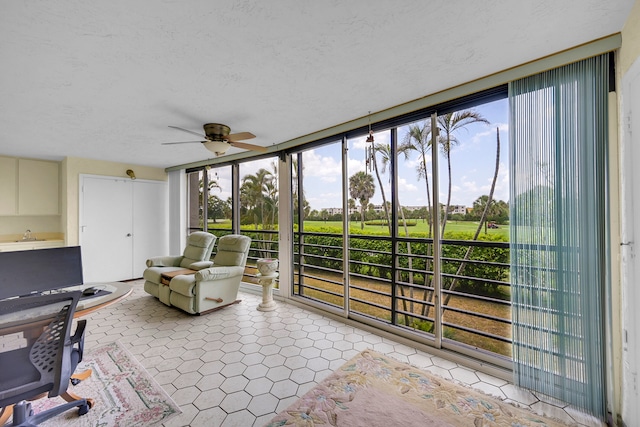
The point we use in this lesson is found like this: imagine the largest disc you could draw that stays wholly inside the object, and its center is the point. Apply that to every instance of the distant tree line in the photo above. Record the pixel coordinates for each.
(498, 212)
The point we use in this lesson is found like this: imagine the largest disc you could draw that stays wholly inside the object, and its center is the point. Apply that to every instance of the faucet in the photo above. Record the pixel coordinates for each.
(27, 235)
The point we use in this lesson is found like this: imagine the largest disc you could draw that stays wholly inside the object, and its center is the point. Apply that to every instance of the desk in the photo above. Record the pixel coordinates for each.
(85, 306)
(118, 291)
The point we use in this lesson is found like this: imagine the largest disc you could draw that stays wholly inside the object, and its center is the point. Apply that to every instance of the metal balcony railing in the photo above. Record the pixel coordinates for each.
(391, 281)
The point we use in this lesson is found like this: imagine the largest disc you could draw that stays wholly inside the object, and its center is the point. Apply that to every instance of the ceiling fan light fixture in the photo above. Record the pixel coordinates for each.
(218, 147)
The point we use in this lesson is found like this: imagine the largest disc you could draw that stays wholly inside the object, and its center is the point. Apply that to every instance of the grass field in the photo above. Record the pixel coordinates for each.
(420, 228)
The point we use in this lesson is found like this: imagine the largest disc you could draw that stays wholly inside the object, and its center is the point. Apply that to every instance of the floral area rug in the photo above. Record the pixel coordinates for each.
(374, 390)
(125, 394)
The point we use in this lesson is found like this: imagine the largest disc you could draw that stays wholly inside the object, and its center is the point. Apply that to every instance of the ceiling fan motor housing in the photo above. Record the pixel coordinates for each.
(216, 131)
(219, 139)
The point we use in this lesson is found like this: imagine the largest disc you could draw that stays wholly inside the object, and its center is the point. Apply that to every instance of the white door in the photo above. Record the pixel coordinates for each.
(150, 225)
(106, 229)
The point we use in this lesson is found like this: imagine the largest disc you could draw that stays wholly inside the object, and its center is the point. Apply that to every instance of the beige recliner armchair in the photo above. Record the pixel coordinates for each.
(196, 256)
(214, 287)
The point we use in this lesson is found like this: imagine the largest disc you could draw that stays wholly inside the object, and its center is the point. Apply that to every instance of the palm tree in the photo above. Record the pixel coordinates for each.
(450, 123)
(482, 205)
(362, 188)
(259, 198)
(271, 202)
(418, 139)
(375, 149)
(272, 194)
(212, 182)
(483, 218)
(255, 192)
(385, 151)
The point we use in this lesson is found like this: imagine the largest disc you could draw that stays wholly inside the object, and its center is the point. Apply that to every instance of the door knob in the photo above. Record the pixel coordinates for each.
(128, 234)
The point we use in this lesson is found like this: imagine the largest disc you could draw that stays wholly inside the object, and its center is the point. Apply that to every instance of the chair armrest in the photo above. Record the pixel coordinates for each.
(199, 265)
(217, 273)
(183, 284)
(164, 261)
(78, 337)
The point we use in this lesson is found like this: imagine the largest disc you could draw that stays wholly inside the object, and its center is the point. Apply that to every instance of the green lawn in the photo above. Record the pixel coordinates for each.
(421, 227)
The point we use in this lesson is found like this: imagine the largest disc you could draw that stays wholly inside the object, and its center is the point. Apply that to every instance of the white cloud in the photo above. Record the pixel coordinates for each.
(491, 132)
(250, 168)
(354, 165)
(358, 143)
(225, 189)
(405, 187)
(325, 167)
(470, 186)
(325, 200)
(411, 163)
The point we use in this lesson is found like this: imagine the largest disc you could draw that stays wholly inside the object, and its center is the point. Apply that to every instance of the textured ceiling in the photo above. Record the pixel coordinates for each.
(103, 79)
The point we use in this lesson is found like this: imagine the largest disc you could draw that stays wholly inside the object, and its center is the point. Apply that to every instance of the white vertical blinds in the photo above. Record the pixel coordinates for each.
(559, 231)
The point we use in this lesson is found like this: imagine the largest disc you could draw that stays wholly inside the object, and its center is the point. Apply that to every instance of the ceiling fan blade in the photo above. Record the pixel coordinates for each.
(240, 136)
(188, 131)
(246, 146)
(182, 142)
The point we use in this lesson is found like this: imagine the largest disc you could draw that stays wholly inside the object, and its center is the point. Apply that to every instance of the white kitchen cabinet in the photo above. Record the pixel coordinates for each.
(8, 186)
(38, 187)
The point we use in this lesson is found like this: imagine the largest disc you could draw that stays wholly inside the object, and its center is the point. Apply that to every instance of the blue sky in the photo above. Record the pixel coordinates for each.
(473, 162)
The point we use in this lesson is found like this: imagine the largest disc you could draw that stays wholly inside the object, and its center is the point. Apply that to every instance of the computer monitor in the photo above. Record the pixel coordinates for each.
(35, 271)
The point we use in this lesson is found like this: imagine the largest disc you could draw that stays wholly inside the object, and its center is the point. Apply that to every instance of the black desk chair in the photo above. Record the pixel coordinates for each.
(38, 356)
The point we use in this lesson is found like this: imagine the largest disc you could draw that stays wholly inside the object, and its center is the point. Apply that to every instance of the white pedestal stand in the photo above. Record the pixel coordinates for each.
(267, 282)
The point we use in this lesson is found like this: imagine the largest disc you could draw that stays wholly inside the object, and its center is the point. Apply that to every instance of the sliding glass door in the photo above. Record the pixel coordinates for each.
(406, 227)
(370, 255)
(472, 195)
(318, 220)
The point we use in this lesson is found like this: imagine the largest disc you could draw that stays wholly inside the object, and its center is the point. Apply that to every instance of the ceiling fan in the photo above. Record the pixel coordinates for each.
(218, 139)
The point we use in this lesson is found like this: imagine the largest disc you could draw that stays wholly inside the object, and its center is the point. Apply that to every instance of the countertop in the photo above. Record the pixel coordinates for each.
(9, 243)
(39, 237)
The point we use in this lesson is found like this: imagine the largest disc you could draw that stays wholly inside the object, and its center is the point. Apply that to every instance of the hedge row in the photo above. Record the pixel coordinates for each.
(372, 257)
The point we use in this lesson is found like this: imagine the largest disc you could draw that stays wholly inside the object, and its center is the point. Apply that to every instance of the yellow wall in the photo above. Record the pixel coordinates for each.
(630, 50)
(72, 167)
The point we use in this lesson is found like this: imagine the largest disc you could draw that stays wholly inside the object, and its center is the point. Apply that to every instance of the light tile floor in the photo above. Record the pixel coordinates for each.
(240, 366)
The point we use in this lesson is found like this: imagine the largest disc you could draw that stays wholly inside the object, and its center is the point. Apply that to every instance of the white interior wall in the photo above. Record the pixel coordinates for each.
(630, 264)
